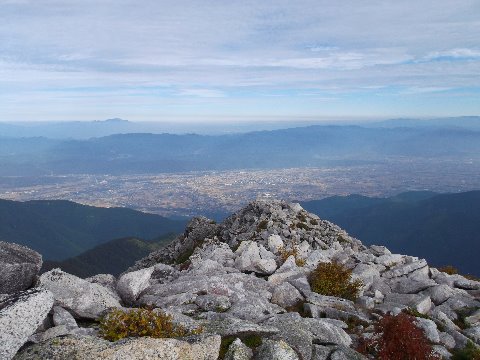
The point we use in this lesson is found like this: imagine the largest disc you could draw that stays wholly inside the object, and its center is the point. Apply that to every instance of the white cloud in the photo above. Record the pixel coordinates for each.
(206, 93)
(219, 49)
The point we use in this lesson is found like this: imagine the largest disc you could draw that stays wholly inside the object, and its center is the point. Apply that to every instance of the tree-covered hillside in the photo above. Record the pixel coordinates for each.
(113, 257)
(62, 229)
(443, 228)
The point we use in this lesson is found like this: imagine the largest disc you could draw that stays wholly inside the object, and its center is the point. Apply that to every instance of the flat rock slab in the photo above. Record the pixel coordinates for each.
(330, 302)
(20, 316)
(404, 269)
(82, 298)
(230, 326)
(92, 348)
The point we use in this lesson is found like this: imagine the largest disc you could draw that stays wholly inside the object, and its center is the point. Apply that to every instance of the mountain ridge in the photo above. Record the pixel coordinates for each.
(59, 229)
(315, 145)
(430, 226)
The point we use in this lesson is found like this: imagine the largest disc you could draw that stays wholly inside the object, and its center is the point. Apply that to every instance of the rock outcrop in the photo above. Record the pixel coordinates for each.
(246, 281)
(19, 267)
(88, 348)
(21, 315)
(84, 299)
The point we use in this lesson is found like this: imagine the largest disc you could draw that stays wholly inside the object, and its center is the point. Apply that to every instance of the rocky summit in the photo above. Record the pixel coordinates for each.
(243, 288)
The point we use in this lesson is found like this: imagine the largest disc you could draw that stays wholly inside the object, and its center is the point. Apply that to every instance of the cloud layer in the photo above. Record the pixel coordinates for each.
(159, 60)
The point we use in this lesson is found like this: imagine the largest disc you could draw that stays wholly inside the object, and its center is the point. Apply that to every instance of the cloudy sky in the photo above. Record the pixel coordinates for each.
(235, 60)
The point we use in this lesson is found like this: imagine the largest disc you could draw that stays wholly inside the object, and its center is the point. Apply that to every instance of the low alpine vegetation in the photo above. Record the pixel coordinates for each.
(396, 338)
(119, 324)
(469, 352)
(334, 279)
(286, 253)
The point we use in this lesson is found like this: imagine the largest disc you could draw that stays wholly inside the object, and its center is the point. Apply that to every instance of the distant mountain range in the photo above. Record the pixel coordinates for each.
(121, 254)
(62, 229)
(296, 147)
(443, 228)
(99, 128)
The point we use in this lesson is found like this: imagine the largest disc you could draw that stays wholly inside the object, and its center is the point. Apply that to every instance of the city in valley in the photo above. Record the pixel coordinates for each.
(216, 193)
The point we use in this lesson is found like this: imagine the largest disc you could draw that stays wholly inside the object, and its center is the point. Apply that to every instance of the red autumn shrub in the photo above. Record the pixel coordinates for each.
(398, 338)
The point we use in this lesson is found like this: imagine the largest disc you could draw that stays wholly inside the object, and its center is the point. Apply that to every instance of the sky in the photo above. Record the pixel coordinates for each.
(239, 60)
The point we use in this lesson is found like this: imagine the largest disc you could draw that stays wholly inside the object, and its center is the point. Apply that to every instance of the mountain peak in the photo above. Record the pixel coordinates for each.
(115, 120)
(263, 276)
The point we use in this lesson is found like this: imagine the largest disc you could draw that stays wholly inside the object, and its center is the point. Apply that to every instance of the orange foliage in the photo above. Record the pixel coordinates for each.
(398, 338)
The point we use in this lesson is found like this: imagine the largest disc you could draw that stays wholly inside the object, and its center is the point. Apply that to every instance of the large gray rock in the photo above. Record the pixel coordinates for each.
(230, 326)
(275, 243)
(345, 353)
(443, 353)
(107, 280)
(63, 317)
(473, 333)
(466, 284)
(367, 273)
(286, 295)
(324, 301)
(238, 351)
(473, 319)
(19, 267)
(429, 329)
(443, 319)
(249, 258)
(421, 303)
(212, 249)
(288, 270)
(411, 286)
(61, 330)
(20, 316)
(218, 303)
(275, 350)
(143, 348)
(460, 340)
(322, 352)
(82, 298)
(447, 340)
(439, 293)
(301, 333)
(131, 284)
(411, 265)
(378, 250)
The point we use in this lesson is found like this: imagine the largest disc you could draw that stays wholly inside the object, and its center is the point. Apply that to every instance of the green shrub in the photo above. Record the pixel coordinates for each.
(313, 222)
(462, 314)
(119, 324)
(303, 226)
(471, 277)
(302, 217)
(342, 240)
(262, 225)
(334, 279)
(469, 352)
(449, 269)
